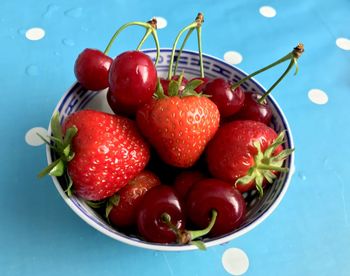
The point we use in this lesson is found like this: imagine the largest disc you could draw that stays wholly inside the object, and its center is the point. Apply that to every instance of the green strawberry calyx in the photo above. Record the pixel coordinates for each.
(174, 89)
(266, 164)
(61, 145)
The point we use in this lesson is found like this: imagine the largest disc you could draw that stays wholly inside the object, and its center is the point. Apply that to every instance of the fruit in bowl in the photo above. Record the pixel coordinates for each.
(121, 174)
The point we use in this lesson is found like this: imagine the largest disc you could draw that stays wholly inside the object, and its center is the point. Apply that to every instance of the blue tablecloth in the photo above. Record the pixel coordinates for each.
(308, 234)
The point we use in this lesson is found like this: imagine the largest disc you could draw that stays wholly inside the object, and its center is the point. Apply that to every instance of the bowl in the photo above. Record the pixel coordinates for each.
(77, 98)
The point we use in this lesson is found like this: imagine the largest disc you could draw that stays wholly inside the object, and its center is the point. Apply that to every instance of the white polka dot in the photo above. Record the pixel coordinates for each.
(161, 22)
(343, 43)
(233, 57)
(267, 11)
(318, 96)
(32, 138)
(35, 34)
(235, 261)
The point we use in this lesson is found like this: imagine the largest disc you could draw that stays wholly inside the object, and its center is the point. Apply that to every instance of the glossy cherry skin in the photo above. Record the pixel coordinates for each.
(132, 79)
(202, 85)
(121, 109)
(253, 110)
(165, 83)
(123, 213)
(209, 194)
(92, 69)
(227, 100)
(157, 201)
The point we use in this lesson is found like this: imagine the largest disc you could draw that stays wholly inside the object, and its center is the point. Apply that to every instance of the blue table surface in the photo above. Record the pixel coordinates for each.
(309, 232)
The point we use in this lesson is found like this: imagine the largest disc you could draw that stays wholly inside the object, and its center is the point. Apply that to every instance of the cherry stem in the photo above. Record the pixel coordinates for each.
(286, 57)
(151, 28)
(146, 35)
(191, 26)
(200, 20)
(196, 24)
(290, 66)
(181, 49)
(166, 218)
(292, 56)
(195, 234)
(199, 38)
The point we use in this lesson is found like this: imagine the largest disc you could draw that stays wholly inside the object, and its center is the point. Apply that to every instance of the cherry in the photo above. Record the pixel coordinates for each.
(121, 109)
(212, 194)
(123, 213)
(132, 79)
(92, 68)
(252, 109)
(184, 181)
(165, 83)
(228, 100)
(159, 207)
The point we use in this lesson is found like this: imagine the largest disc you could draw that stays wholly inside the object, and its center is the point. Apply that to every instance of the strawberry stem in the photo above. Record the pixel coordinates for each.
(60, 143)
(266, 164)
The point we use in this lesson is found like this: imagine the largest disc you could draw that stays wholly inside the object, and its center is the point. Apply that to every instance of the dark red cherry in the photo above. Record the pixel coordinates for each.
(253, 110)
(132, 79)
(184, 181)
(120, 109)
(212, 194)
(227, 100)
(202, 85)
(92, 68)
(159, 201)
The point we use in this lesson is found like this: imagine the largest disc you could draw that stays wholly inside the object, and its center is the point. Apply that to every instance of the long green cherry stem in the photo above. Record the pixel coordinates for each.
(190, 31)
(292, 57)
(196, 24)
(199, 38)
(151, 28)
(156, 40)
(290, 66)
(144, 38)
(199, 20)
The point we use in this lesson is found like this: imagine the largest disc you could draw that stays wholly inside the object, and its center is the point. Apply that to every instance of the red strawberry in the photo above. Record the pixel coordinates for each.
(123, 213)
(246, 153)
(179, 127)
(108, 153)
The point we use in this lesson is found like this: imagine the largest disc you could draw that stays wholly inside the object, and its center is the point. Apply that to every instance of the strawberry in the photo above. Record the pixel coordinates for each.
(247, 153)
(105, 153)
(123, 212)
(179, 127)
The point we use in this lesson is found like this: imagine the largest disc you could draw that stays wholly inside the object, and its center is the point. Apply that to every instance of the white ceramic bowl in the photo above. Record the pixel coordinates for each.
(77, 98)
